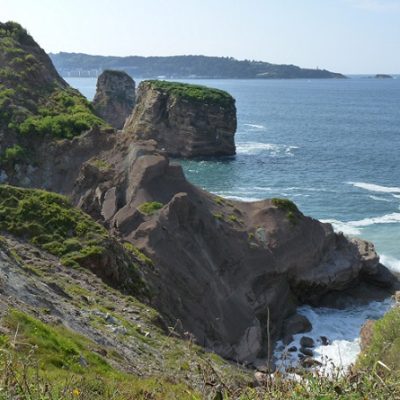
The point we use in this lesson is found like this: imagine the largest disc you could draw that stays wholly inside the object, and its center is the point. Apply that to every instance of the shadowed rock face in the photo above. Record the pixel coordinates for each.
(184, 120)
(115, 97)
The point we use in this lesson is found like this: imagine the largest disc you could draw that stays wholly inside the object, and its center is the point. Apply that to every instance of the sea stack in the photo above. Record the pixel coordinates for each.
(115, 97)
(185, 120)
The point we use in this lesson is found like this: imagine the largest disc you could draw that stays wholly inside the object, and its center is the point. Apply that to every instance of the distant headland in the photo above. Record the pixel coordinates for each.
(383, 76)
(190, 66)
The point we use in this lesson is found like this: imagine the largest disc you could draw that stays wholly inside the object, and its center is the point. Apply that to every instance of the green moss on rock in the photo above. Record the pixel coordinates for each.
(150, 207)
(49, 221)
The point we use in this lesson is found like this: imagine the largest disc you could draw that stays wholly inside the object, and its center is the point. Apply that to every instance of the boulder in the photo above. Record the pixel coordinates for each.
(306, 351)
(185, 120)
(115, 97)
(293, 325)
(306, 341)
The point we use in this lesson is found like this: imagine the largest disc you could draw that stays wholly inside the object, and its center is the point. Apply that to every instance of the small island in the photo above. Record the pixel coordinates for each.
(185, 120)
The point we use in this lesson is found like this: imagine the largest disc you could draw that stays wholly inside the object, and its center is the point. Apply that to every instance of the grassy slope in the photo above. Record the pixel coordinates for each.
(34, 99)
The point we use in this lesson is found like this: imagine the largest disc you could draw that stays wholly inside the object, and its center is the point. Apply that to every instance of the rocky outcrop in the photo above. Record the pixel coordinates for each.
(115, 97)
(185, 120)
(235, 268)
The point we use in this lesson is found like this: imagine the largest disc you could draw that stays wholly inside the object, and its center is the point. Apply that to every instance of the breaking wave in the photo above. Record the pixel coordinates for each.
(375, 188)
(257, 148)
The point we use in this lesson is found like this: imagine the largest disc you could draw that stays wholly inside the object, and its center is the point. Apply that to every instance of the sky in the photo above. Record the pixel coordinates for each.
(348, 36)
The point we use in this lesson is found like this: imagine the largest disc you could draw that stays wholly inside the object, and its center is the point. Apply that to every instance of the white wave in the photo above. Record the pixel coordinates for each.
(390, 262)
(377, 198)
(396, 195)
(392, 218)
(353, 227)
(375, 188)
(255, 126)
(340, 226)
(341, 327)
(257, 148)
(243, 198)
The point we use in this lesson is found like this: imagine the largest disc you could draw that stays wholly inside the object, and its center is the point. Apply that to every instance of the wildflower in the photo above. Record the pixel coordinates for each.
(76, 392)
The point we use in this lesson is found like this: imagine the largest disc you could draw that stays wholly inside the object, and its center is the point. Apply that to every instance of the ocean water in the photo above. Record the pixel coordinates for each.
(333, 147)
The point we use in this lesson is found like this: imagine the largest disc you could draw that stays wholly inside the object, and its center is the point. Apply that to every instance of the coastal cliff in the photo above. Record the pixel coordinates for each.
(115, 97)
(184, 120)
(136, 271)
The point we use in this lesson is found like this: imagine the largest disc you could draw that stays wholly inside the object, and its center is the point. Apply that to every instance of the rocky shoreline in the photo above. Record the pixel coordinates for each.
(229, 274)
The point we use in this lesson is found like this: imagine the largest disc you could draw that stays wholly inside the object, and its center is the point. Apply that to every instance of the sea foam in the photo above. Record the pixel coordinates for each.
(341, 327)
(274, 150)
(375, 188)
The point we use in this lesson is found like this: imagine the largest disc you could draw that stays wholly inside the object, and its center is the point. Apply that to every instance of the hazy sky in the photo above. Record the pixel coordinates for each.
(349, 36)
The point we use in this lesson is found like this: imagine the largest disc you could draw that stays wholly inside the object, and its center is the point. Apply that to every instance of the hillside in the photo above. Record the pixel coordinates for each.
(34, 99)
(78, 64)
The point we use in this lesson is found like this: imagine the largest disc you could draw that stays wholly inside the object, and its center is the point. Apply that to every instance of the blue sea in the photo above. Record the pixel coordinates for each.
(333, 147)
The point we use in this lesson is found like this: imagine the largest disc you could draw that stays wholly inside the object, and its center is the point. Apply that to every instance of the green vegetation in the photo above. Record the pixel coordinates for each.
(13, 155)
(33, 98)
(44, 362)
(100, 164)
(285, 204)
(219, 216)
(140, 255)
(49, 221)
(291, 209)
(196, 93)
(385, 346)
(233, 218)
(49, 362)
(150, 207)
(64, 115)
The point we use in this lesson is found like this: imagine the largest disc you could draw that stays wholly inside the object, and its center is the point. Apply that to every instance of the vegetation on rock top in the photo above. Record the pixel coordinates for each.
(196, 93)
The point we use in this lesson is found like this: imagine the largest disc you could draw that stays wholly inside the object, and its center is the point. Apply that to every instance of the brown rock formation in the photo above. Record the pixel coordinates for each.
(115, 97)
(184, 120)
(222, 268)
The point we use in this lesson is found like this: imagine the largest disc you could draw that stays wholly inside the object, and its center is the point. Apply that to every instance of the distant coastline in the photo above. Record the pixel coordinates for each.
(175, 67)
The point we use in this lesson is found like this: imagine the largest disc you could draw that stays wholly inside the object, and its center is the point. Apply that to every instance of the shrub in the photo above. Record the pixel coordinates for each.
(12, 155)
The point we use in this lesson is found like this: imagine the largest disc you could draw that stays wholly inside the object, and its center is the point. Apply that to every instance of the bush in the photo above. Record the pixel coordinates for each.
(13, 155)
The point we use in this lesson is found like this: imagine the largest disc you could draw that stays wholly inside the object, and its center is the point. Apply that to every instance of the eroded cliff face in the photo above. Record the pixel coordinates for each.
(184, 120)
(115, 97)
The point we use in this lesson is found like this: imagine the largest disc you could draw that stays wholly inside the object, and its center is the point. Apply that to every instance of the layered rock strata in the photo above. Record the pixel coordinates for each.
(185, 120)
